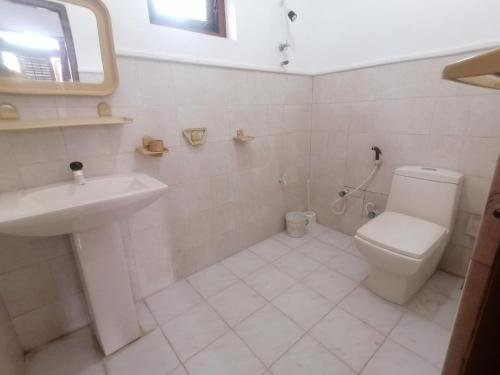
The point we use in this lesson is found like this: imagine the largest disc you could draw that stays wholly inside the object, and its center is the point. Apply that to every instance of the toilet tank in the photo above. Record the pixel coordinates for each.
(430, 194)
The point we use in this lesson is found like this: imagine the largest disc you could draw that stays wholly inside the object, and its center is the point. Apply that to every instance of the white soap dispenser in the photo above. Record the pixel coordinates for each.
(78, 176)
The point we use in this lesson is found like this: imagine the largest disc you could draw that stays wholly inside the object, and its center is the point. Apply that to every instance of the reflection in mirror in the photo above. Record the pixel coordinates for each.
(44, 40)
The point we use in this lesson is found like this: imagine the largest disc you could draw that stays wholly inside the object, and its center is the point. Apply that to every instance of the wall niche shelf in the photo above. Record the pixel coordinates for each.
(11, 120)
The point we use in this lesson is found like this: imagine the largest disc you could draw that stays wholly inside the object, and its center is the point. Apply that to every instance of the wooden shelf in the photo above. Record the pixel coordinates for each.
(11, 120)
(64, 122)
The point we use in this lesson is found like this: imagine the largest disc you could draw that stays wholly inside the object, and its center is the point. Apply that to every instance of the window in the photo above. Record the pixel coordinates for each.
(203, 16)
(39, 52)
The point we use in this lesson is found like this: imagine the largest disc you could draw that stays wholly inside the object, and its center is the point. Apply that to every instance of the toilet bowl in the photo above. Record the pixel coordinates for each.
(405, 244)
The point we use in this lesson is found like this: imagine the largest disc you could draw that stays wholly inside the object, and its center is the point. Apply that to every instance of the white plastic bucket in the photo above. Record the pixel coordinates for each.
(296, 224)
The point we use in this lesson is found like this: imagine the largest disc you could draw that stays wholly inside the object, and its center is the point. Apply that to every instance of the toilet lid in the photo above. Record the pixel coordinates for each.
(403, 234)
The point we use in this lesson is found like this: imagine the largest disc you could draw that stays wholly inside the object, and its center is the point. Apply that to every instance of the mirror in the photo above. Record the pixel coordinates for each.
(56, 47)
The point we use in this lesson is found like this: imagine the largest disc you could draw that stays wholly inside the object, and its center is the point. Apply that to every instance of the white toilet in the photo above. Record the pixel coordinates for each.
(405, 244)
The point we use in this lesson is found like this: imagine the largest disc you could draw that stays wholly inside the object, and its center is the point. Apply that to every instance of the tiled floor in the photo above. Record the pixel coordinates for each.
(284, 307)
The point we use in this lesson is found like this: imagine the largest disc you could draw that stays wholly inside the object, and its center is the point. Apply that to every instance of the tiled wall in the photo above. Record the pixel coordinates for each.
(223, 196)
(417, 119)
(11, 354)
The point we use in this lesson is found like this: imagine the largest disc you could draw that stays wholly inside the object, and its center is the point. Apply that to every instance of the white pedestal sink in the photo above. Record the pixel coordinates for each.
(89, 213)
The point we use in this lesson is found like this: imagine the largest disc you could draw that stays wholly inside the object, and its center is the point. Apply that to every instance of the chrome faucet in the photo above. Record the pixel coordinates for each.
(78, 176)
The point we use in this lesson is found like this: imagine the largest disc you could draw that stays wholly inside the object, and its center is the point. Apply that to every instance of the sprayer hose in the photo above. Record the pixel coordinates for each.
(344, 198)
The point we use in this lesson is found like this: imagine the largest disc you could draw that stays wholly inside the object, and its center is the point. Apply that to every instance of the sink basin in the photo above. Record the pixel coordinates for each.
(68, 208)
(89, 213)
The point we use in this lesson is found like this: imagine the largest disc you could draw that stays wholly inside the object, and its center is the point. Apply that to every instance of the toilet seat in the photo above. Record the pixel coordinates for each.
(402, 234)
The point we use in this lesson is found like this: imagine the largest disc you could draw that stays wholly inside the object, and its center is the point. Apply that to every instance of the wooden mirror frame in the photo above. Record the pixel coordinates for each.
(108, 86)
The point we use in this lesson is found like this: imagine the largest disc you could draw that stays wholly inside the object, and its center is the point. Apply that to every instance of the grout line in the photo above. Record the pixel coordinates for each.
(383, 342)
(231, 329)
(270, 302)
(410, 312)
(335, 305)
(158, 326)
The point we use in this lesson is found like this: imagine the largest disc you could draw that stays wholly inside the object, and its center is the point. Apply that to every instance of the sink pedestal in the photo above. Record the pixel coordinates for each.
(101, 260)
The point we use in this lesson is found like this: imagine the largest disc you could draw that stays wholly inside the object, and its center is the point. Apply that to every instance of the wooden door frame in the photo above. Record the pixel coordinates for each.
(475, 343)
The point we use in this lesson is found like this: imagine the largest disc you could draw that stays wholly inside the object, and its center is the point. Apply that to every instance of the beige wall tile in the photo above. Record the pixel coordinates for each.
(417, 119)
(11, 354)
(65, 274)
(479, 156)
(475, 194)
(36, 146)
(28, 289)
(484, 117)
(54, 320)
(223, 196)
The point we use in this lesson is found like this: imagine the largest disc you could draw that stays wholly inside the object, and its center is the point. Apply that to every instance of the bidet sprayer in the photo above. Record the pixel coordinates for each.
(378, 152)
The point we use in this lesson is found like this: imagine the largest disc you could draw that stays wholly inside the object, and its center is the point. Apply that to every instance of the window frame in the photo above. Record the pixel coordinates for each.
(68, 55)
(215, 25)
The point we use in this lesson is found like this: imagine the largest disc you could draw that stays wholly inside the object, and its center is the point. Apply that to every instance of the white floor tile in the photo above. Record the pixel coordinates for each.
(178, 371)
(150, 355)
(337, 239)
(269, 333)
(97, 369)
(348, 337)
(270, 249)
(393, 359)
(244, 263)
(304, 306)
(330, 284)
(269, 282)
(226, 356)
(353, 267)
(212, 280)
(296, 265)
(72, 354)
(371, 309)
(319, 251)
(353, 250)
(435, 306)
(303, 279)
(308, 357)
(446, 284)
(290, 241)
(314, 230)
(173, 301)
(423, 337)
(236, 303)
(147, 322)
(447, 315)
(194, 330)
